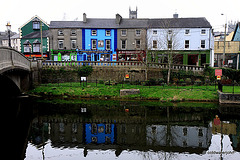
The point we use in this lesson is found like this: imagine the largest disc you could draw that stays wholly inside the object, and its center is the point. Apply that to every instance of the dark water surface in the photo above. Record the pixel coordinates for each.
(91, 129)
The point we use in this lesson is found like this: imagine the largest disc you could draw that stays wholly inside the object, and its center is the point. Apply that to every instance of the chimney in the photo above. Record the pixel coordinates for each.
(84, 18)
(118, 18)
(175, 15)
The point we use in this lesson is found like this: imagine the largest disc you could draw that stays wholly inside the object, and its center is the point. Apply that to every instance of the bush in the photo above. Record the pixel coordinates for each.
(188, 81)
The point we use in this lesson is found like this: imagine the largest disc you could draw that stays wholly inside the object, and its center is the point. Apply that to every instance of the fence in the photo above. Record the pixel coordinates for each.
(229, 88)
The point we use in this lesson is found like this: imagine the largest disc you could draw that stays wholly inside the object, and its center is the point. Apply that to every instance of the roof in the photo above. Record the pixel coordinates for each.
(33, 18)
(134, 23)
(179, 23)
(36, 34)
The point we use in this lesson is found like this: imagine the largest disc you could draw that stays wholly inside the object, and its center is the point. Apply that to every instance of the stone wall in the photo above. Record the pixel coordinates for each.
(66, 74)
(228, 98)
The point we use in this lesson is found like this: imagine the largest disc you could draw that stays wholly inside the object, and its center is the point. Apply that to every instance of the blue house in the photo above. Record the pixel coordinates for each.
(99, 40)
(236, 37)
(99, 133)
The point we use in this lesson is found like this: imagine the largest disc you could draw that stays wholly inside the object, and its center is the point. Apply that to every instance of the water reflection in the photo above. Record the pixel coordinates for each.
(74, 131)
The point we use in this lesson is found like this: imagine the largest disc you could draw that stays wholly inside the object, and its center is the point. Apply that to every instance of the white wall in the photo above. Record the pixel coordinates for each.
(179, 38)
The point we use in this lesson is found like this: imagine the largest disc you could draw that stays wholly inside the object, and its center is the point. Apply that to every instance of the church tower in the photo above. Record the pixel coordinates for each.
(132, 14)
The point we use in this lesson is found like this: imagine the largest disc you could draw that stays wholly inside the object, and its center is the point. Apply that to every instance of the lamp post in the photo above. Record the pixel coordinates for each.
(224, 43)
(9, 30)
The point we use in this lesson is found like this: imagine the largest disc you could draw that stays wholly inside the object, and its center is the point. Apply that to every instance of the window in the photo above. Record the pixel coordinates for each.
(169, 44)
(155, 32)
(60, 33)
(108, 44)
(169, 31)
(203, 44)
(94, 44)
(36, 47)
(185, 131)
(73, 32)
(200, 132)
(138, 32)
(60, 44)
(203, 31)
(187, 32)
(100, 43)
(27, 48)
(36, 25)
(108, 33)
(74, 44)
(154, 44)
(94, 32)
(138, 43)
(123, 44)
(123, 32)
(187, 44)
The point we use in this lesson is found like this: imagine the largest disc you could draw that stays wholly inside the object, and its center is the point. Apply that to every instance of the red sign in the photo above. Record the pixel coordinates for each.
(127, 76)
(218, 72)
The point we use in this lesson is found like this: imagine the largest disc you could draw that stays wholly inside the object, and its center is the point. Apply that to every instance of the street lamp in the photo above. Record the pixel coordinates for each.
(224, 43)
(9, 30)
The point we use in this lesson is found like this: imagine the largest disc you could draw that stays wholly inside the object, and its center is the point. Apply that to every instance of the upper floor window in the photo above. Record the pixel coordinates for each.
(36, 46)
(60, 44)
(73, 32)
(73, 44)
(108, 44)
(203, 44)
(170, 31)
(94, 44)
(108, 33)
(138, 43)
(60, 33)
(94, 32)
(187, 31)
(203, 31)
(27, 46)
(138, 32)
(155, 32)
(154, 44)
(187, 44)
(36, 25)
(123, 32)
(123, 43)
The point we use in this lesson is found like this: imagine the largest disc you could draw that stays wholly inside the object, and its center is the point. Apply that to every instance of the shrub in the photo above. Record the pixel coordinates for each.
(188, 81)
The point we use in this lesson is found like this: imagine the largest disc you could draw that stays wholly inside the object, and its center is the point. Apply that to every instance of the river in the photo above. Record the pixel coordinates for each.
(91, 129)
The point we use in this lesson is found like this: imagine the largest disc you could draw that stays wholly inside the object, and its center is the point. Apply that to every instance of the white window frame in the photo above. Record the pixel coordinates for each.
(74, 44)
(154, 44)
(36, 47)
(154, 32)
(94, 32)
(60, 32)
(73, 32)
(187, 44)
(203, 31)
(94, 46)
(138, 45)
(202, 44)
(123, 31)
(108, 32)
(138, 32)
(124, 40)
(36, 25)
(60, 44)
(187, 32)
(108, 44)
(27, 48)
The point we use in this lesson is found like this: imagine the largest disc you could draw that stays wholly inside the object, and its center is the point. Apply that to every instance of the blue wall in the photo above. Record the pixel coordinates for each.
(87, 38)
(100, 135)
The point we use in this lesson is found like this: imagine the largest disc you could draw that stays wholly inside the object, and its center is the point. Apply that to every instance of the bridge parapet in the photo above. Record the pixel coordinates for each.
(12, 59)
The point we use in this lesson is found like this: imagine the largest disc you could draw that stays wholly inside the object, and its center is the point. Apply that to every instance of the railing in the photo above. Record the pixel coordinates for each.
(133, 64)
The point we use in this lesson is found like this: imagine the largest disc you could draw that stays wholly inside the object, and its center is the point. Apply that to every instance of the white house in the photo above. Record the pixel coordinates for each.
(190, 39)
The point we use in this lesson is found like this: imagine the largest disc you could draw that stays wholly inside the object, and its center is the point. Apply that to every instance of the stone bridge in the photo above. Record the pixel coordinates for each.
(15, 71)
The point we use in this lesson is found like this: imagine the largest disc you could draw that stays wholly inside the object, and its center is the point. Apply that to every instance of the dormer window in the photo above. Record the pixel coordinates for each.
(36, 23)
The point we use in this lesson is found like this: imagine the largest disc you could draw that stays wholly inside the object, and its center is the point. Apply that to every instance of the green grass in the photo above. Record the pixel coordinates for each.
(166, 93)
(230, 89)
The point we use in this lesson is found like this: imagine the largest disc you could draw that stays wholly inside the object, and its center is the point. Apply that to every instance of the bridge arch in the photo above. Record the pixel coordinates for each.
(15, 71)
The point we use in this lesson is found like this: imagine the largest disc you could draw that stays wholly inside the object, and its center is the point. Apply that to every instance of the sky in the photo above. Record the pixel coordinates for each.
(19, 12)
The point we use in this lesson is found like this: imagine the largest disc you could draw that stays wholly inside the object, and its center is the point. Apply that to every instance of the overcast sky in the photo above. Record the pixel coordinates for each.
(20, 11)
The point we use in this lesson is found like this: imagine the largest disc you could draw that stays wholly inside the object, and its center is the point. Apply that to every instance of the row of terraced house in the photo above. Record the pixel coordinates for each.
(190, 40)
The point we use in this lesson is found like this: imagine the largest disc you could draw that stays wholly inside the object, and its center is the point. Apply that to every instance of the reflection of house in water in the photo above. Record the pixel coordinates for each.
(178, 136)
(99, 133)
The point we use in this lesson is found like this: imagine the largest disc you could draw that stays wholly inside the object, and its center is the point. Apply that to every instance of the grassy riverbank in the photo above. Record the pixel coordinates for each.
(166, 93)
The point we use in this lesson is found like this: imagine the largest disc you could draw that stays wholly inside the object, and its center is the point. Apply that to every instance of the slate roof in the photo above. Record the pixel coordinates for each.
(134, 23)
(179, 23)
(36, 34)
